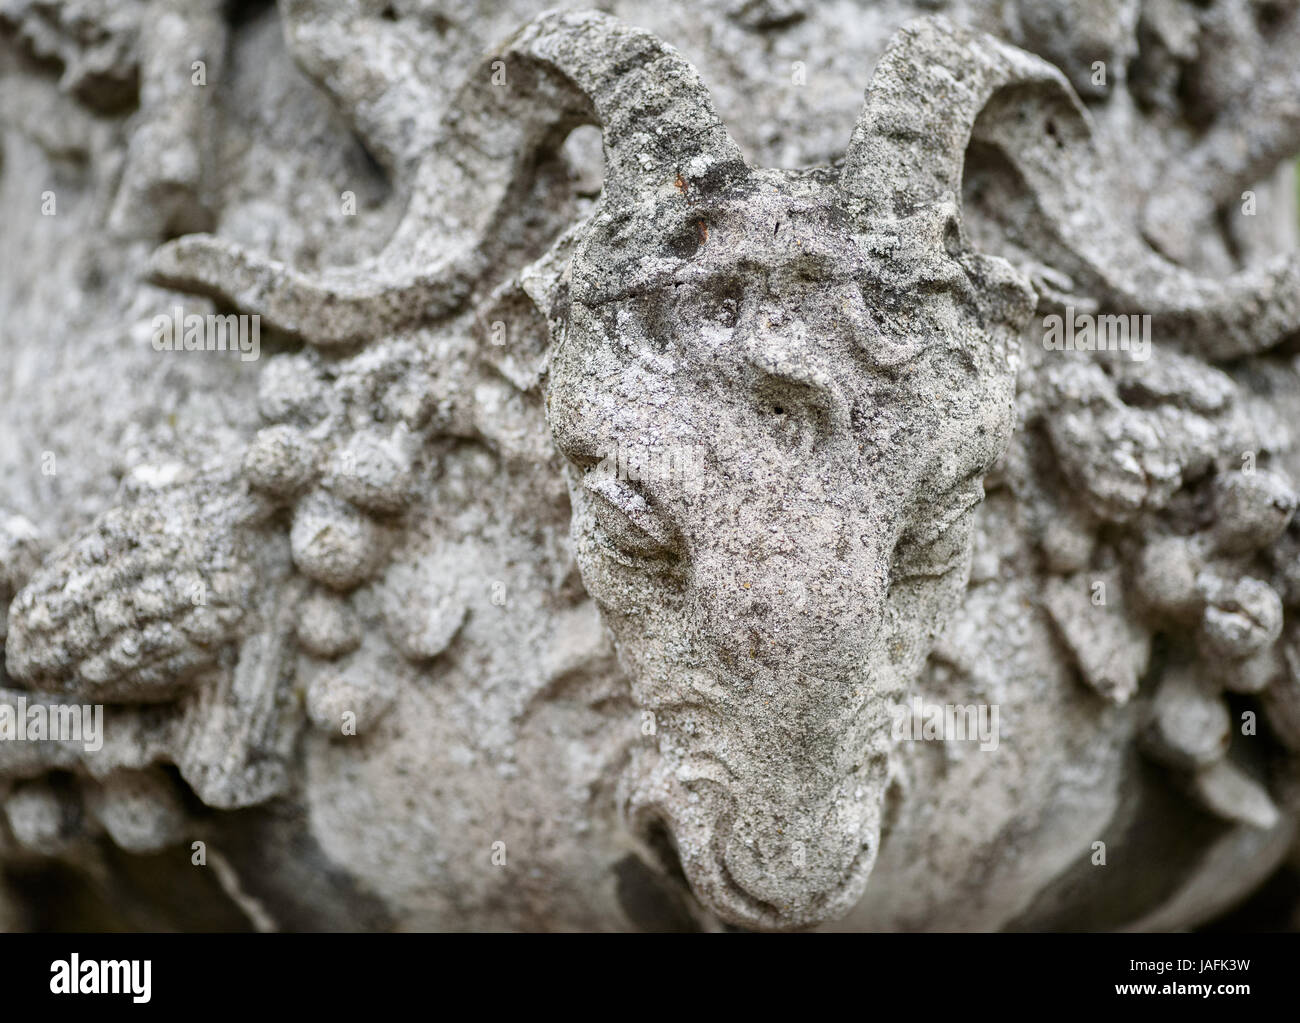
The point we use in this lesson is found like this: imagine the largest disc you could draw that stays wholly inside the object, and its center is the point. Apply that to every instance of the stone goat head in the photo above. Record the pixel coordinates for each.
(777, 393)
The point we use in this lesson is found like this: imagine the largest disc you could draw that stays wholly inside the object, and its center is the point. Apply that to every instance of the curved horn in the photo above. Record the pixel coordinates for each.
(560, 71)
(908, 148)
(658, 120)
(938, 87)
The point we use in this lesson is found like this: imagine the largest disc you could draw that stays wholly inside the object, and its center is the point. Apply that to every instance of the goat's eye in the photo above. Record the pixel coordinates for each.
(626, 517)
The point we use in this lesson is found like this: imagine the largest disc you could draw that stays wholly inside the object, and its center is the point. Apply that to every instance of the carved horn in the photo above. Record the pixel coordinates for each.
(560, 71)
(908, 148)
(938, 87)
(657, 117)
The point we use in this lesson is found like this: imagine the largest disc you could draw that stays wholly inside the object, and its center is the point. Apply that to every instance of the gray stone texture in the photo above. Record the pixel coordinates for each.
(639, 419)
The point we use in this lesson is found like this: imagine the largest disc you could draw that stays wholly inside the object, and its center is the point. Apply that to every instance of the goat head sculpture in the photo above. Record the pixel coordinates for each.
(808, 373)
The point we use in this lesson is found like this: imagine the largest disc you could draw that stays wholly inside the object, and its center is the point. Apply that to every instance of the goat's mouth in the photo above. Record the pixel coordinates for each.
(700, 843)
(738, 905)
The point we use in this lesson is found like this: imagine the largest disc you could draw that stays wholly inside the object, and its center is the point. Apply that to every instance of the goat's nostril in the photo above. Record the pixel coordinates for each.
(658, 839)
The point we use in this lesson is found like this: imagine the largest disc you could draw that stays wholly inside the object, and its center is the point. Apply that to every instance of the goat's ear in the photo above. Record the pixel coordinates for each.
(513, 336)
(533, 310)
(1005, 295)
(516, 324)
(547, 281)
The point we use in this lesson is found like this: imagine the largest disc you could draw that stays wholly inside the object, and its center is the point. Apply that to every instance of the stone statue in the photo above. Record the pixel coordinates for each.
(551, 547)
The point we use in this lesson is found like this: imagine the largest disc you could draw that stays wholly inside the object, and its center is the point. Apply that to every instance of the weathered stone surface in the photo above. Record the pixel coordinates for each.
(606, 503)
